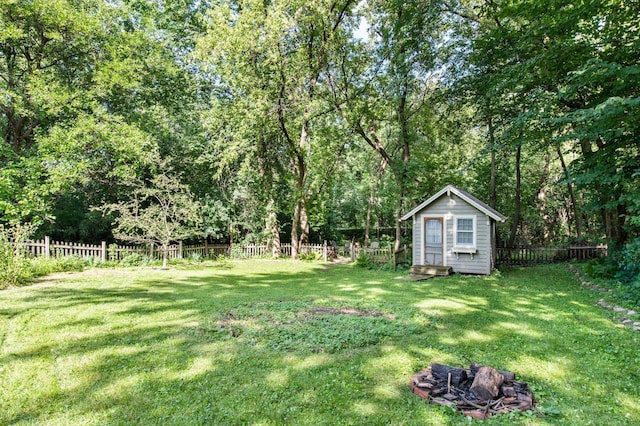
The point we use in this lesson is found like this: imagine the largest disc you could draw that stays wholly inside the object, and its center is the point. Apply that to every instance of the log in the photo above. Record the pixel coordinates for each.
(508, 376)
(509, 391)
(486, 383)
(441, 373)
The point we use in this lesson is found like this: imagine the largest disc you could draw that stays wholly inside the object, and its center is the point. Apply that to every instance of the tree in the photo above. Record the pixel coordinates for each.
(402, 52)
(273, 60)
(159, 212)
(553, 77)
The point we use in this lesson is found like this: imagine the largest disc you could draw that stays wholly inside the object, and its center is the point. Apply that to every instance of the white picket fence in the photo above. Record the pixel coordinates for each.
(103, 252)
(49, 248)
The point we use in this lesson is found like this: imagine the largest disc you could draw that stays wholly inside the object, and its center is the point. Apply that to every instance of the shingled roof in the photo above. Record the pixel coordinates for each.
(486, 209)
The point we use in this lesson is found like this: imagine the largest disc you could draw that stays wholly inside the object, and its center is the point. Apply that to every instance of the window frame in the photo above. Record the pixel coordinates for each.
(465, 248)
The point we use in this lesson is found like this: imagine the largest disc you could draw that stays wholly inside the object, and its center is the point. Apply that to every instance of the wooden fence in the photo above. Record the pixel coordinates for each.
(378, 255)
(529, 256)
(505, 256)
(49, 248)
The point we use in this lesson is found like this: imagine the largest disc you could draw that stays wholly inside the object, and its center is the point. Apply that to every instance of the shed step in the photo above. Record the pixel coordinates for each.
(430, 270)
(417, 277)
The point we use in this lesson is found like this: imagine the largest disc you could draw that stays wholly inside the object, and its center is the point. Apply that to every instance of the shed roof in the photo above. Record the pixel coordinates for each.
(486, 209)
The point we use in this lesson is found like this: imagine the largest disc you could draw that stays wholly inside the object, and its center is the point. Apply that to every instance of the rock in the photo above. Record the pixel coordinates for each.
(630, 313)
(626, 321)
(619, 309)
(636, 324)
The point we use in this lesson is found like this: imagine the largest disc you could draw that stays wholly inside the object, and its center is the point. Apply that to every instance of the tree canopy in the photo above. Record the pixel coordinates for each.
(297, 121)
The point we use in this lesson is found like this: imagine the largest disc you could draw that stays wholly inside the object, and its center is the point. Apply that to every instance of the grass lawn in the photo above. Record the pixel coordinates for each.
(277, 342)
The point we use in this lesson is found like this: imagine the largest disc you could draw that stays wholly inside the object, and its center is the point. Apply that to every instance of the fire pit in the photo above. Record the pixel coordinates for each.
(478, 391)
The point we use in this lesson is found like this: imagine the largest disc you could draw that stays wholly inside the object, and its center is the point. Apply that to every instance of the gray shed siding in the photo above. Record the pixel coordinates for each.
(448, 208)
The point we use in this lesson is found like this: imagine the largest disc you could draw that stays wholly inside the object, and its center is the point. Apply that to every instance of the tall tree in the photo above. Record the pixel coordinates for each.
(274, 58)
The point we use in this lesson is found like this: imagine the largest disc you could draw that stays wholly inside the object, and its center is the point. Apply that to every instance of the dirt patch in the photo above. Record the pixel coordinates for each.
(323, 310)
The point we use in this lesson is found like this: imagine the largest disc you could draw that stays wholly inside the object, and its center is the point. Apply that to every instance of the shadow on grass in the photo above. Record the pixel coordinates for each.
(125, 349)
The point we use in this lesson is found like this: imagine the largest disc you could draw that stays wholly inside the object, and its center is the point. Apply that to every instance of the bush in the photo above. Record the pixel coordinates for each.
(135, 259)
(41, 266)
(629, 270)
(602, 267)
(14, 264)
(365, 261)
(310, 257)
(236, 252)
(195, 257)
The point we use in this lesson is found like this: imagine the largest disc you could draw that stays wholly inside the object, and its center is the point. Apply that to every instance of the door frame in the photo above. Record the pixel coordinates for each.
(443, 222)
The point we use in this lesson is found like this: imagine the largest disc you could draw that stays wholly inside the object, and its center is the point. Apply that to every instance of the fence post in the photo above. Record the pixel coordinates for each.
(103, 253)
(179, 249)
(392, 254)
(46, 247)
(352, 252)
(151, 251)
(324, 251)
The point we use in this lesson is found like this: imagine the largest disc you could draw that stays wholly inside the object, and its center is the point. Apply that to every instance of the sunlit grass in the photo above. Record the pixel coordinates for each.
(296, 343)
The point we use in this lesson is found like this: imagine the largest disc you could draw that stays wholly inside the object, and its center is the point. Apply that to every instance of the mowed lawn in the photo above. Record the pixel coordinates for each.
(279, 342)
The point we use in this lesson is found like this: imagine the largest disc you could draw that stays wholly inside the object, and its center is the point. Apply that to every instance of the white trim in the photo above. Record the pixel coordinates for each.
(444, 236)
(465, 248)
(452, 189)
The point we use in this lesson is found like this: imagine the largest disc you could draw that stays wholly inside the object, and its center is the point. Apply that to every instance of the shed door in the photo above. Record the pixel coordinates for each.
(433, 248)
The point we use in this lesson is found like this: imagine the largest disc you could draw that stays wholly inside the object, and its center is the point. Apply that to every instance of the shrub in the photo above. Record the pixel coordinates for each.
(365, 261)
(41, 266)
(310, 257)
(195, 257)
(236, 252)
(602, 267)
(629, 270)
(14, 265)
(135, 259)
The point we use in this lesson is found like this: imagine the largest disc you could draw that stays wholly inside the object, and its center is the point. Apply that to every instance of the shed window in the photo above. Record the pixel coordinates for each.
(465, 232)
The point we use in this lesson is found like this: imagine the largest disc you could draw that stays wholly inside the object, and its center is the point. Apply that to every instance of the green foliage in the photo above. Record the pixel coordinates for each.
(158, 212)
(604, 268)
(40, 266)
(134, 259)
(629, 270)
(560, 76)
(17, 268)
(365, 261)
(14, 264)
(311, 256)
(268, 108)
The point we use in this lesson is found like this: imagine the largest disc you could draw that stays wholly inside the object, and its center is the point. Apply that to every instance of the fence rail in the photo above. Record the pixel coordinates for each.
(49, 248)
(529, 256)
(377, 255)
(505, 256)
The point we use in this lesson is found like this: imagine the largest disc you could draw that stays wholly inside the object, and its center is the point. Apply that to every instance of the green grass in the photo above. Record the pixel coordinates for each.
(269, 342)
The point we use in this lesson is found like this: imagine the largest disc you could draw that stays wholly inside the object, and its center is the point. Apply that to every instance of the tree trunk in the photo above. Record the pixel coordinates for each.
(273, 239)
(404, 143)
(518, 196)
(367, 223)
(542, 199)
(304, 224)
(574, 209)
(372, 199)
(492, 183)
(295, 243)
(165, 252)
